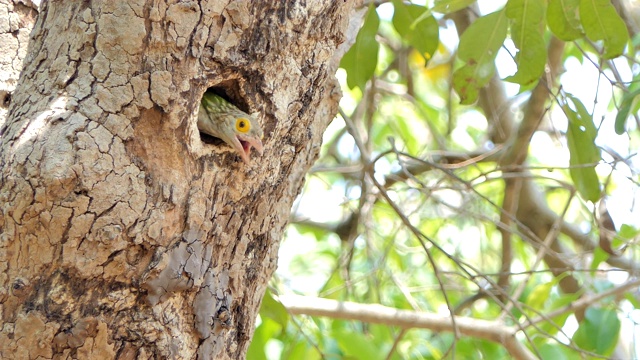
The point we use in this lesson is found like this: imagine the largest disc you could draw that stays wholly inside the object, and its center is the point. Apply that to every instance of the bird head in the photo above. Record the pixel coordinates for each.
(219, 118)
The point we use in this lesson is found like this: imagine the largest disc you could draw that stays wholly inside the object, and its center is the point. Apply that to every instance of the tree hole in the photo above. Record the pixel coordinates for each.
(5, 99)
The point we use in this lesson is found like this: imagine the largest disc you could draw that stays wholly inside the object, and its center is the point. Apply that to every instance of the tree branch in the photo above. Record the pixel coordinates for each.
(583, 303)
(378, 314)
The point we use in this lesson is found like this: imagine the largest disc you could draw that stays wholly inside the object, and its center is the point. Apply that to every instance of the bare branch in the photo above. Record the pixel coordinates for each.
(583, 303)
(378, 314)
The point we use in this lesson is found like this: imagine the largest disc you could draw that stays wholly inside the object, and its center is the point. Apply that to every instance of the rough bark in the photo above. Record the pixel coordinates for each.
(16, 21)
(124, 234)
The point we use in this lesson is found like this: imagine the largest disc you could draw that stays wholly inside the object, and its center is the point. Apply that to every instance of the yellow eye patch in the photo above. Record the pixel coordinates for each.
(243, 125)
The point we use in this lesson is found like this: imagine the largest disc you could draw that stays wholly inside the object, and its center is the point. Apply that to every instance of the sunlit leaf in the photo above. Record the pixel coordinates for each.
(334, 287)
(478, 48)
(563, 19)
(273, 309)
(558, 302)
(584, 155)
(628, 232)
(625, 108)
(571, 50)
(632, 299)
(316, 231)
(361, 60)
(539, 295)
(598, 332)
(302, 351)
(449, 6)
(415, 24)
(265, 331)
(356, 345)
(602, 285)
(470, 348)
(599, 256)
(556, 352)
(382, 333)
(600, 21)
(526, 32)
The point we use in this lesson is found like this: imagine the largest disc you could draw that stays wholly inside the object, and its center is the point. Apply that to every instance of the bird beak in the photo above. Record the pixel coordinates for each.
(244, 145)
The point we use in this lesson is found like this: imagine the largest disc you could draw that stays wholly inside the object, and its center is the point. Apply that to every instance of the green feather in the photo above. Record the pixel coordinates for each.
(219, 118)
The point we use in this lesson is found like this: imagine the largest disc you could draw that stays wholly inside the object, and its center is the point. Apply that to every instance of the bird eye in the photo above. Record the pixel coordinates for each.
(243, 125)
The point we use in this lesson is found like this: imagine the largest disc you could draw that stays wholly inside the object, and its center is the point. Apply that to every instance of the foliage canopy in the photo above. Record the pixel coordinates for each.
(482, 168)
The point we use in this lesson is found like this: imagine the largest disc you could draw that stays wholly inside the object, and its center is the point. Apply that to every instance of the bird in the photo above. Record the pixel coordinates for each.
(221, 119)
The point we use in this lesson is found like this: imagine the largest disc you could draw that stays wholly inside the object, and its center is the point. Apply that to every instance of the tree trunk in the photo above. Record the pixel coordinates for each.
(16, 21)
(123, 233)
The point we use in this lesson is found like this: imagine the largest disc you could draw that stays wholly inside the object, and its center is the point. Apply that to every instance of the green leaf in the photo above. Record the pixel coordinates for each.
(263, 333)
(584, 154)
(526, 33)
(302, 351)
(602, 285)
(598, 332)
(478, 48)
(355, 345)
(417, 26)
(539, 295)
(628, 232)
(557, 322)
(555, 351)
(473, 348)
(449, 6)
(601, 22)
(599, 256)
(563, 19)
(334, 287)
(273, 309)
(361, 60)
(625, 107)
(631, 298)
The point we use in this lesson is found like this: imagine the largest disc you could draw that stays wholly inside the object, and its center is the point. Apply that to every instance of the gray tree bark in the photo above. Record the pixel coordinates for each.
(123, 233)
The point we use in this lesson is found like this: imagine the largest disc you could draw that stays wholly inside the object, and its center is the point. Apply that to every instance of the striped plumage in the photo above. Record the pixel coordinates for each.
(219, 118)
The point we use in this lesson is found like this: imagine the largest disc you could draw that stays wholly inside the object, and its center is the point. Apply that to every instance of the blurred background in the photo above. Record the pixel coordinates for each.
(483, 165)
